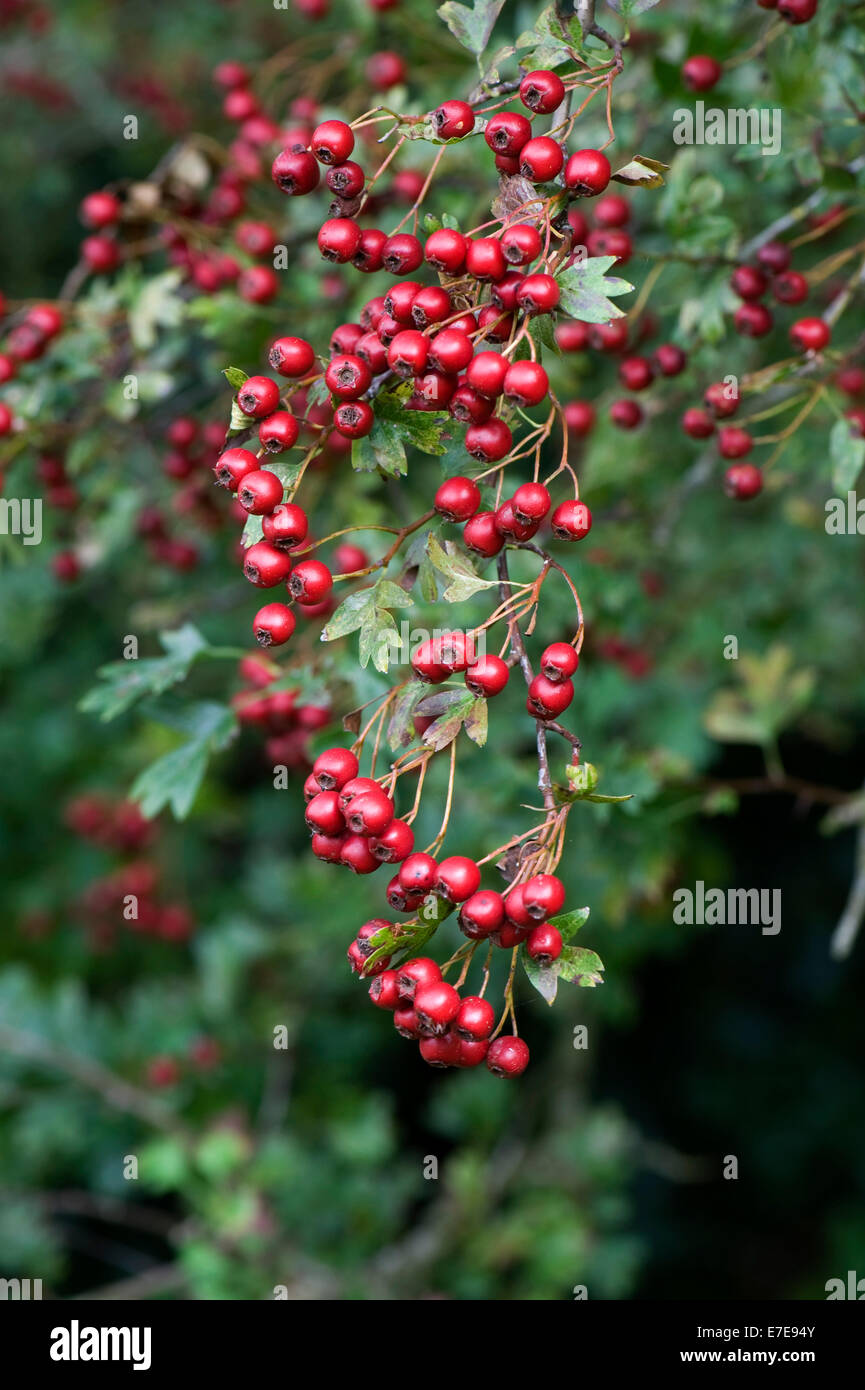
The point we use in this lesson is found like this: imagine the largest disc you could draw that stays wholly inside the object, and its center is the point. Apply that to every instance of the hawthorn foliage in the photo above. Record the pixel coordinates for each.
(676, 279)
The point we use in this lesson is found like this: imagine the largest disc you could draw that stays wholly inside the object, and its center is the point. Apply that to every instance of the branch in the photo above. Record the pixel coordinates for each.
(518, 649)
(585, 12)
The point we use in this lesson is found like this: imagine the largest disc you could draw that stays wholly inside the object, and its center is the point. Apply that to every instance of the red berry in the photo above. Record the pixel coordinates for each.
(572, 335)
(669, 359)
(458, 878)
(450, 351)
(587, 173)
(485, 259)
(547, 699)
(486, 373)
(386, 69)
(700, 72)
(444, 1051)
(384, 991)
(445, 250)
(332, 142)
(369, 255)
(436, 1006)
(258, 284)
(610, 241)
(810, 335)
(99, 210)
(543, 896)
(571, 521)
(356, 855)
(345, 180)
(295, 172)
(278, 432)
(347, 377)
(733, 442)
(537, 294)
(797, 11)
(774, 256)
(472, 1052)
(100, 254)
(405, 1021)
(544, 944)
(418, 873)
(753, 320)
(457, 499)
(339, 239)
(487, 676)
(265, 566)
(609, 337)
(328, 848)
(273, 624)
(611, 211)
(475, 1018)
(453, 120)
(482, 535)
(260, 491)
(505, 290)
(258, 396)
(526, 383)
(580, 418)
(292, 357)
(482, 914)
(407, 354)
(402, 254)
(521, 243)
(430, 305)
(369, 814)
(233, 466)
(334, 767)
(495, 325)
(722, 398)
(489, 442)
(323, 814)
(507, 1056)
(394, 844)
(542, 91)
(310, 582)
(507, 132)
(163, 1071)
(790, 287)
(356, 786)
(559, 661)
(415, 974)
(354, 419)
(286, 526)
(531, 502)
(635, 373)
(626, 415)
(541, 159)
(742, 481)
(748, 282)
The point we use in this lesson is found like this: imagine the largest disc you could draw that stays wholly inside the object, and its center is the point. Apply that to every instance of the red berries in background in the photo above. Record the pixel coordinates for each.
(700, 72)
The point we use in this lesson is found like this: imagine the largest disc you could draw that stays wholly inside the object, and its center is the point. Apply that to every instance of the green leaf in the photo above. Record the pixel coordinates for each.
(349, 616)
(543, 334)
(456, 566)
(235, 376)
(157, 305)
(476, 722)
(569, 923)
(626, 8)
(585, 290)
(400, 732)
(641, 171)
(471, 27)
(446, 728)
(390, 595)
(174, 779)
(575, 965)
(381, 449)
(422, 429)
(124, 682)
(376, 630)
(847, 454)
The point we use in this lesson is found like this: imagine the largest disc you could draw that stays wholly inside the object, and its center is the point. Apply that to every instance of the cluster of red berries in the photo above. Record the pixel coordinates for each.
(287, 721)
(128, 894)
(352, 822)
(204, 1053)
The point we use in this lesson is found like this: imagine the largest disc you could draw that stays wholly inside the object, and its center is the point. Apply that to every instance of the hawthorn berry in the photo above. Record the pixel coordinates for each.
(339, 239)
(401, 899)
(587, 173)
(418, 873)
(531, 502)
(407, 353)
(333, 768)
(345, 180)
(475, 1018)
(369, 814)
(311, 581)
(507, 132)
(273, 625)
(436, 1006)
(450, 351)
(482, 535)
(453, 120)
(98, 210)
(430, 305)
(509, 527)
(369, 255)
(742, 481)
(292, 357)
(542, 91)
(700, 72)
(548, 699)
(733, 442)
(332, 142)
(609, 337)
(458, 878)
(507, 1056)
(401, 254)
(384, 990)
(469, 406)
(327, 848)
(472, 1051)
(324, 815)
(544, 944)
(489, 442)
(100, 254)
(669, 359)
(579, 418)
(295, 172)
(354, 419)
(753, 320)
(258, 284)
(636, 373)
(543, 896)
(405, 1021)
(611, 211)
(416, 974)
(541, 159)
(233, 466)
(278, 431)
(445, 250)
(394, 844)
(495, 324)
(285, 526)
(526, 383)
(485, 259)
(748, 282)
(790, 287)
(265, 566)
(572, 335)
(258, 396)
(385, 69)
(356, 855)
(797, 11)
(504, 291)
(347, 377)
(810, 335)
(774, 256)
(356, 786)
(559, 661)
(722, 398)
(521, 243)
(441, 1051)
(537, 294)
(487, 676)
(260, 492)
(482, 914)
